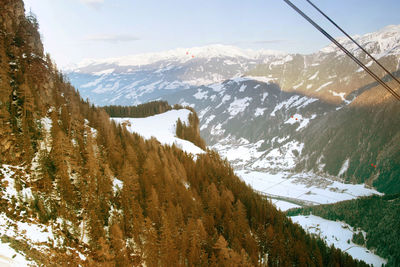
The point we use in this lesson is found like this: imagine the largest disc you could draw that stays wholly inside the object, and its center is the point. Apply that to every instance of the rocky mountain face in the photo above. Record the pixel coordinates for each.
(317, 113)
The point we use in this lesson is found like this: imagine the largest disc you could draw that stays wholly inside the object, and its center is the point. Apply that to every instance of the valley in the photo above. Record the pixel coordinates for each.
(279, 119)
(206, 156)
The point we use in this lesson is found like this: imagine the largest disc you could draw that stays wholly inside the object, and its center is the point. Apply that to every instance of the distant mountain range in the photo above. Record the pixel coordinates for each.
(272, 111)
(136, 79)
(139, 78)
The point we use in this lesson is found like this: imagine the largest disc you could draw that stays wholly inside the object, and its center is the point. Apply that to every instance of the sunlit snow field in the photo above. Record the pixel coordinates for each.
(339, 234)
(162, 127)
(307, 187)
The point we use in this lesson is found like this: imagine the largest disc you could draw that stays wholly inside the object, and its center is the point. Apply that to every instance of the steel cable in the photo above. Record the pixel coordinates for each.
(354, 41)
(397, 96)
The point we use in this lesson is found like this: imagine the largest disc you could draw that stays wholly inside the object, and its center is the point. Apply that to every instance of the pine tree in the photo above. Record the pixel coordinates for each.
(118, 246)
(151, 245)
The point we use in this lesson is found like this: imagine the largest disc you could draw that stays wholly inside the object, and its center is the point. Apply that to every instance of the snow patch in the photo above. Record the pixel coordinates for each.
(217, 130)
(324, 85)
(344, 167)
(238, 151)
(208, 120)
(117, 185)
(217, 87)
(285, 104)
(264, 96)
(46, 124)
(298, 85)
(298, 118)
(259, 112)
(11, 258)
(201, 94)
(104, 72)
(283, 158)
(242, 88)
(284, 205)
(238, 106)
(93, 83)
(341, 95)
(162, 127)
(314, 76)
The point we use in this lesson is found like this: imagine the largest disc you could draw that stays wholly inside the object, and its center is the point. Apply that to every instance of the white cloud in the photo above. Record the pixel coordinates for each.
(270, 41)
(112, 38)
(93, 3)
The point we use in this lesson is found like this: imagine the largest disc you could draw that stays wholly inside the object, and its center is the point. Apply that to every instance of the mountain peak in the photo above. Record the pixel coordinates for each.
(181, 55)
(383, 41)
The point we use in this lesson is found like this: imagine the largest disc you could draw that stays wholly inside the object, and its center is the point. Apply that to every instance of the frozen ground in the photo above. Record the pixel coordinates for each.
(10, 258)
(29, 230)
(284, 205)
(339, 234)
(162, 127)
(306, 187)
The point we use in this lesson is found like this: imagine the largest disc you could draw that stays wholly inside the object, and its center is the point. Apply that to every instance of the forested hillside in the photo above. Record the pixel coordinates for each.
(108, 197)
(190, 132)
(377, 215)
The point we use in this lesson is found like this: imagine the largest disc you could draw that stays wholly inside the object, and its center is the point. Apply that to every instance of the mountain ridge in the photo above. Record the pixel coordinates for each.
(219, 50)
(180, 55)
(317, 75)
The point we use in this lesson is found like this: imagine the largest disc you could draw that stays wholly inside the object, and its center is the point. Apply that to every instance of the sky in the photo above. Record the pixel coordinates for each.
(73, 30)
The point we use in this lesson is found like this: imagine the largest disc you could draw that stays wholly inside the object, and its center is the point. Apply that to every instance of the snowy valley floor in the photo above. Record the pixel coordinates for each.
(339, 234)
(302, 189)
(288, 191)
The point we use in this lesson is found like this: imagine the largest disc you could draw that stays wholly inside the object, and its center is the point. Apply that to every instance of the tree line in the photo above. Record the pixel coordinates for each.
(138, 111)
(171, 210)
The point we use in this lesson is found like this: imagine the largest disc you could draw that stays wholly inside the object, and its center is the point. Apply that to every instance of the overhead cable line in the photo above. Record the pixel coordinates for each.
(347, 52)
(354, 41)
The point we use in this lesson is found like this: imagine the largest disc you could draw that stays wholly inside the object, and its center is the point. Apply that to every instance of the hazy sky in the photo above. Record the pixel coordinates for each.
(76, 29)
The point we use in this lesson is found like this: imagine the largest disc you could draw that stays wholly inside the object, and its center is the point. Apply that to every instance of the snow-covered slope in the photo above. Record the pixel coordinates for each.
(340, 235)
(162, 127)
(11, 258)
(384, 42)
(329, 74)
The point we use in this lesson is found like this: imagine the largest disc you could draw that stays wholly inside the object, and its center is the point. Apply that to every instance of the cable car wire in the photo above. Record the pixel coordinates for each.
(354, 41)
(347, 52)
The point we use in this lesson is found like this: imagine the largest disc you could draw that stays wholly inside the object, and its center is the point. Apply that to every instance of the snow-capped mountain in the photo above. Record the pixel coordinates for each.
(139, 78)
(294, 114)
(259, 127)
(379, 44)
(321, 74)
(180, 55)
(270, 111)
